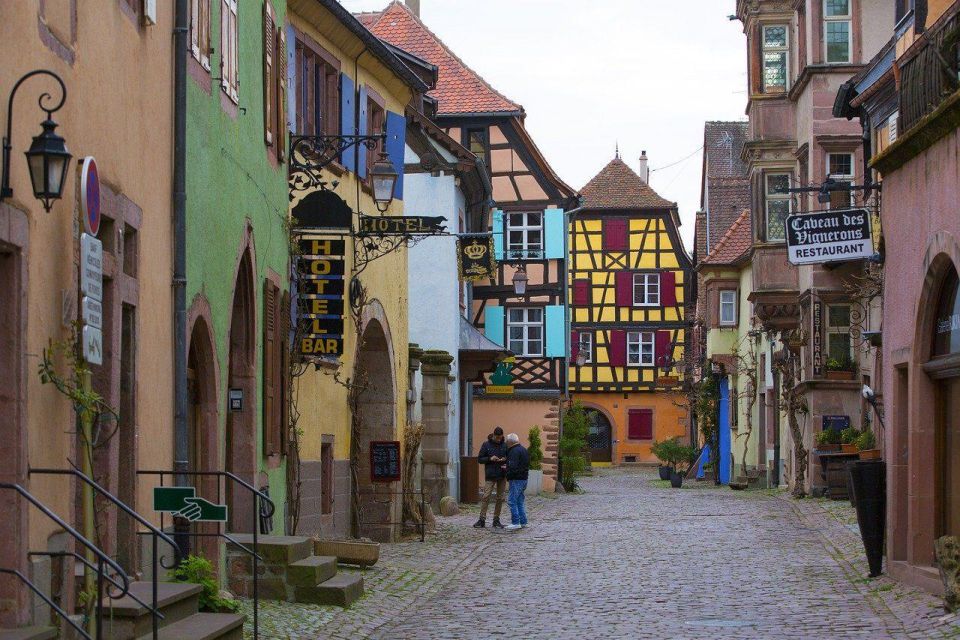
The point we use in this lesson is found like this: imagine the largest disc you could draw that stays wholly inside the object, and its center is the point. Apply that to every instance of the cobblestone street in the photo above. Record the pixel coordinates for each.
(631, 558)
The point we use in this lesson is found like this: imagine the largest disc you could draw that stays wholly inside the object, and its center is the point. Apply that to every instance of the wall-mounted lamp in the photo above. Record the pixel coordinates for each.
(384, 178)
(520, 281)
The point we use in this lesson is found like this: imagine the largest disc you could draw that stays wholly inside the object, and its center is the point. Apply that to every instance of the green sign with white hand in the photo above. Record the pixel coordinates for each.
(183, 502)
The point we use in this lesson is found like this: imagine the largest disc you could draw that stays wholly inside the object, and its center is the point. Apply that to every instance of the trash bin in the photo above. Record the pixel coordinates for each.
(868, 478)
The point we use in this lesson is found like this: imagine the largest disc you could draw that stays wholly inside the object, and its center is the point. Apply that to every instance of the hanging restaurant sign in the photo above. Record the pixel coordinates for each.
(475, 257)
(401, 225)
(829, 236)
(816, 332)
(320, 297)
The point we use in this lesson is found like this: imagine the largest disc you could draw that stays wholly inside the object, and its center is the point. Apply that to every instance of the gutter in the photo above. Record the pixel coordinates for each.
(181, 452)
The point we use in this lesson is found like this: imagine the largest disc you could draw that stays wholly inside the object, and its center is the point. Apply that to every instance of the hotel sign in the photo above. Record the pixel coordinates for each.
(320, 297)
(829, 236)
(401, 225)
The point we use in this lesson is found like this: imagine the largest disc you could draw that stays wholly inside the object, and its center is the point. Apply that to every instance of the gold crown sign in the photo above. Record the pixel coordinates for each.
(475, 250)
(475, 258)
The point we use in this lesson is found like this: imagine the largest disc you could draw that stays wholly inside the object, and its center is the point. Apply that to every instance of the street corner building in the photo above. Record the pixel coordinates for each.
(522, 307)
(630, 285)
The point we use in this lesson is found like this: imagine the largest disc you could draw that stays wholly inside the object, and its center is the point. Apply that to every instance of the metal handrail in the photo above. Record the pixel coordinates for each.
(60, 612)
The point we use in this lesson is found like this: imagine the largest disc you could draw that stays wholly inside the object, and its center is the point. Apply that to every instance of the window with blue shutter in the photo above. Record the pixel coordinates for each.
(556, 321)
(554, 234)
(396, 144)
(493, 323)
(348, 125)
(360, 149)
(497, 230)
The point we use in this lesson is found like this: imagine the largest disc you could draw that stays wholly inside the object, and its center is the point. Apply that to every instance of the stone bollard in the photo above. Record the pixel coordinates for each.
(947, 552)
(448, 506)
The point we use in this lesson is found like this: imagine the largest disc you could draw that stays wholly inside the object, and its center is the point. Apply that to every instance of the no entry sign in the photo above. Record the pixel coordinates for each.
(90, 196)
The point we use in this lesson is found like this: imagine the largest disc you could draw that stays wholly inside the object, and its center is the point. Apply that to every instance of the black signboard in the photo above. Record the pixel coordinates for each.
(332, 286)
(829, 236)
(319, 306)
(401, 225)
(385, 461)
(313, 267)
(837, 423)
(320, 297)
(322, 247)
(322, 209)
(475, 258)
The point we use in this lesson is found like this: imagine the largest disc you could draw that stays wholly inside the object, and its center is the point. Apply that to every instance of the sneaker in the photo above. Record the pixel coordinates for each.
(497, 524)
(512, 527)
(524, 525)
(480, 524)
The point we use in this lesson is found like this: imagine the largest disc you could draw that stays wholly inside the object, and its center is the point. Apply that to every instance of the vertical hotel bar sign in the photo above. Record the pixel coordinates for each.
(320, 297)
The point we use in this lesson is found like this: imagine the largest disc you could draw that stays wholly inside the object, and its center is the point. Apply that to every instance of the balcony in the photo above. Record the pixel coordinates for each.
(775, 294)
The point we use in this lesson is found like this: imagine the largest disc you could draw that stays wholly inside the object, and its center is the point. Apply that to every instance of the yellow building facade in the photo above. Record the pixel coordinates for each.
(629, 282)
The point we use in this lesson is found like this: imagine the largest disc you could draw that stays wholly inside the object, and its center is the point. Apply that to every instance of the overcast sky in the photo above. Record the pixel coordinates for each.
(592, 73)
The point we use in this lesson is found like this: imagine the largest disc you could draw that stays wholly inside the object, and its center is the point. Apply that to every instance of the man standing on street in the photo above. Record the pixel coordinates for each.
(493, 455)
(517, 468)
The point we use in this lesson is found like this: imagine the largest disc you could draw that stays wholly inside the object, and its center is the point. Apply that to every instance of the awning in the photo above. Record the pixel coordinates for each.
(478, 354)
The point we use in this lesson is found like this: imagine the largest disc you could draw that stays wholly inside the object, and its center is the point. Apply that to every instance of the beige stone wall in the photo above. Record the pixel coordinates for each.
(519, 416)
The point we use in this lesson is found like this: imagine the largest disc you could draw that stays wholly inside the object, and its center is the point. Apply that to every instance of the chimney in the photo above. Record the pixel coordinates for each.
(644, 170)
(414, 6)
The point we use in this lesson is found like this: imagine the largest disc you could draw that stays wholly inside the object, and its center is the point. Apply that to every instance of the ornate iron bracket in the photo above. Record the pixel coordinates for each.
(309, 155)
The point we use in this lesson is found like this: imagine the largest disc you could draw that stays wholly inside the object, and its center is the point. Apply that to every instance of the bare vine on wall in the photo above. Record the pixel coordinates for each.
(795, 406)
(746, 364)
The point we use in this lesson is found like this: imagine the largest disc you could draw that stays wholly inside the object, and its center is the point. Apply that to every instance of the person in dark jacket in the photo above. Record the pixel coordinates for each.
(493, 455)
(517, 469)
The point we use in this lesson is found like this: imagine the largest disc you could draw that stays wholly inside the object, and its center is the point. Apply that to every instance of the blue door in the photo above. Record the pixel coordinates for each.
(724, 430)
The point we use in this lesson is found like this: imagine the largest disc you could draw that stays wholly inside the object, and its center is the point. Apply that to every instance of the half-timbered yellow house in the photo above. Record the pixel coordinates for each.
(630, 281)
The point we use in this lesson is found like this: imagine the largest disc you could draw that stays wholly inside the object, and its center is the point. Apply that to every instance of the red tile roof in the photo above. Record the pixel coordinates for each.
(617, 186)
(734, 244)
(459, 88)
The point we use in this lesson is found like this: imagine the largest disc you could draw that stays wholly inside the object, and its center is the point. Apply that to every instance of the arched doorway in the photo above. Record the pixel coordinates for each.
(375, 508)
(241, 437)
(944, 368)
(202, 426)
(600, 436)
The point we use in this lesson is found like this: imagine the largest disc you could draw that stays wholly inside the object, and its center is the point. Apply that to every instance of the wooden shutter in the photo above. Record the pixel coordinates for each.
(581, 292)
(396, 130)
(347, 118)
(284, 365)
(499, 232)
(574, 345)
(668, 288)
(617, 348)
(270, 349)
(269, 83)
(281, 95)
(615, 236)
(662, 348)
(640, 424)
(624, 286)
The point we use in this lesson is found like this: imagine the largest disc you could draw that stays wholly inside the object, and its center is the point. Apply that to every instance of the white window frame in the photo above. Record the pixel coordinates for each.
(769, 197)
(525, 228)
(639, 340)
(525, 324)
(848, 178)
(229, 50)
(649, 285)
(827, 21)
(784, 50)
(586, 338)
(731, 304)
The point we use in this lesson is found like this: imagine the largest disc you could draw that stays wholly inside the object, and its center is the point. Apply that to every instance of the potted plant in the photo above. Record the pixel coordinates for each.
(684, 457)
(661, 450)
(867, 443)
(848, 440)
(842, 368)
(828, 441)
(535, 475)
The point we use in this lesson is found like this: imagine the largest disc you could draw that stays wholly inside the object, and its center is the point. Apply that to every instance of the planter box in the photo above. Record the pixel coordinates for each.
(870, 454)
(827, 448)
(839, 375)
(534, 482)
(362, 552)
(848, 448)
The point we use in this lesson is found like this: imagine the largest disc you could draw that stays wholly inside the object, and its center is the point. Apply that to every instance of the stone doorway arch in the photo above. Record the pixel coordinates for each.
(203, 419)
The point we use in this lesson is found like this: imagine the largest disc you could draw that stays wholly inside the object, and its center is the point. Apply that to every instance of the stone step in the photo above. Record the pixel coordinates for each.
(203, 626)
(342, 590)
(311, 571)
(125, 618)
(276, 549)
(29, 633)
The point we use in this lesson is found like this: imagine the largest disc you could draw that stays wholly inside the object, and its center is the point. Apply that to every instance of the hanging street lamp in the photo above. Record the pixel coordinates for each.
(520, 281)
(47, 159)
(384, 178)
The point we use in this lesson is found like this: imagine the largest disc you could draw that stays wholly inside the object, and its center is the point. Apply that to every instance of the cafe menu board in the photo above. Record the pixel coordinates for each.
(385, 461)
(837, 423)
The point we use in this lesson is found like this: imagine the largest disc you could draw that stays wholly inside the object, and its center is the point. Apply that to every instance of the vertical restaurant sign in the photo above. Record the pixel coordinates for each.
(475, 257)
(816, 332)
(320, 297)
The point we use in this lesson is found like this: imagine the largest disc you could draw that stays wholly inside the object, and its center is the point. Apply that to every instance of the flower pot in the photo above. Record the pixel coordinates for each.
(665, 472)
(870, 454)
(828, 448)
(868, 478)
(676, 480)
(848, 448)
(362, 552)
(534, 482)
(839, 375)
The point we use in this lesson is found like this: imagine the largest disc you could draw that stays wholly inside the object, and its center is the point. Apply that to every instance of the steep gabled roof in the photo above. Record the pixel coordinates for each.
(617, 186)
(459, 89)
(734, 244)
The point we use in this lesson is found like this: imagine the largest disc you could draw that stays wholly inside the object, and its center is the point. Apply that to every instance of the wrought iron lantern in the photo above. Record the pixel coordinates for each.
(384, 179)
(47, 158)
(520, 281)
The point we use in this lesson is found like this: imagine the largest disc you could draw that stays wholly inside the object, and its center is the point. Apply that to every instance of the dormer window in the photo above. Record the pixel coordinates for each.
(836, 31)
(775, 49)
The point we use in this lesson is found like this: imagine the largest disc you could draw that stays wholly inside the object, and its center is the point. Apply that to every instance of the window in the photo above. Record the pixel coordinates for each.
(728, 306)
(646, 289)
(775, 58)
(318, 90)
(840, 168)
(200, 31)
(525, 234)
(640, 424)
(585, 346)
(778, 205)
(376, 119)
(839, 346)
(229, 75)
(477, 143)
(640, 345)
(581, 292)
(326, 477)
(525, 331)
(836, 30)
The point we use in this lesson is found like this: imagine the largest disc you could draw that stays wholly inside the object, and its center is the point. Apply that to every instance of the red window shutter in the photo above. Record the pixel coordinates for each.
(662, 350)
(269, 84)
(615, 236)
(617, 348)
(640, 424)
(668, 288)
(624, 285)
(581, 293)
(574, 345)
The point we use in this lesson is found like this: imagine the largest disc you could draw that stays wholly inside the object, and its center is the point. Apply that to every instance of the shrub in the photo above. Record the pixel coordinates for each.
(674, 454)
(849, 435)
(828, 436)
(866, 440)
(843, 363)
(197, 570)
(573, 443)
(535, 449)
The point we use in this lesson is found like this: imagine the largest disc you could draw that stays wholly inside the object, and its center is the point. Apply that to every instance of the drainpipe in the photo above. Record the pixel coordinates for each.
(568, 217)
(181, 442)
